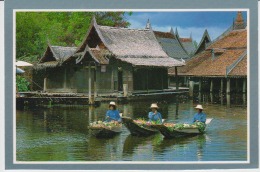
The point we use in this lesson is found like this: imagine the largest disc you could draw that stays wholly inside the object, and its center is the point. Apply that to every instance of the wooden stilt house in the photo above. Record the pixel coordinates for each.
(223, 64)
(110, 59)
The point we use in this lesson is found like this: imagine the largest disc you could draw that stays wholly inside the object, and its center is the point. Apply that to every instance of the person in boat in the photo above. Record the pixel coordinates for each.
(154, 115)
(112, 114)
(199, 116)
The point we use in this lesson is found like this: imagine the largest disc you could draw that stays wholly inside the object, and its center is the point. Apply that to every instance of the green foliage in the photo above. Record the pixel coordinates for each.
(22, 83)
(201, 126)
(35, 29)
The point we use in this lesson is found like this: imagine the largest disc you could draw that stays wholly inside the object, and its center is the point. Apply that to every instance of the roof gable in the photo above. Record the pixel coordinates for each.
(57, 53)
(204, 40)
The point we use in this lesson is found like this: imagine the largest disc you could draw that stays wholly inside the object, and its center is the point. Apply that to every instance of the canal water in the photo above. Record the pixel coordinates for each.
(61, 134)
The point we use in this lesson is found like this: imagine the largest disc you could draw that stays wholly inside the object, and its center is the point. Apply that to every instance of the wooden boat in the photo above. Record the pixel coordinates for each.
(105, 131)
(137, 129)
(175, 133)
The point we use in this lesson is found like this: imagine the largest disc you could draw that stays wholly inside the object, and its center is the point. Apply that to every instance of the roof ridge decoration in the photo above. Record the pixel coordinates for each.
(239, 22)
(172, 31)
(148, 25)
(233, 65)
(176, 33)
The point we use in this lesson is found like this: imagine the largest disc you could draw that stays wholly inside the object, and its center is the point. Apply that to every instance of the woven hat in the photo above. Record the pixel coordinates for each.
(199, 107)
(112, 103)
(154, 105)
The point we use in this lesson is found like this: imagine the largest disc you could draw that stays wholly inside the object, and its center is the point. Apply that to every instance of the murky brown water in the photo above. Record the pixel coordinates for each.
(61, 134)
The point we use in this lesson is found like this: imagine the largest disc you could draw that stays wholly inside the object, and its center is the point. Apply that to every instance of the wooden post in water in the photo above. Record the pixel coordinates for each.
(89, 85)
(177, 79)
(228, 85)
(211, 85)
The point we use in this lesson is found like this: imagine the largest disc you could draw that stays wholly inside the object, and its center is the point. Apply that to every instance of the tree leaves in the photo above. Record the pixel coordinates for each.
(35, 29)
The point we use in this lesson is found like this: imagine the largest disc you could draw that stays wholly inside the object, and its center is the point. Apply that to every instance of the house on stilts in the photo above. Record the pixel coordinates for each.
(222, 66)
(110, 60)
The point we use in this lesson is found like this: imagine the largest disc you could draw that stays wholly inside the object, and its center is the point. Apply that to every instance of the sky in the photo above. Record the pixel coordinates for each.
(187, 23)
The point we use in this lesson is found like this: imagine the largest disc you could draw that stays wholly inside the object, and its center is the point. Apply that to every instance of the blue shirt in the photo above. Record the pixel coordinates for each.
(155, 117)
(200, 117)
(113, 115)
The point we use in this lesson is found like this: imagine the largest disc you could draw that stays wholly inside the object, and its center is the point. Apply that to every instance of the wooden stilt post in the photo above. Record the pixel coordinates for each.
(228, 100)
(95, 84)
(191, 85)
(89, 85)
(244, 85)
(221, 86)
(147, 78)
(44, 84)
(177, 79)
(200, 84)
(228, 85)
(65, 79)
(237, 88)
(211, 85)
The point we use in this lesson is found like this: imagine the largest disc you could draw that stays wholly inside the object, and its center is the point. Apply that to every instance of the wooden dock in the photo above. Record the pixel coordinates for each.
(41, 99)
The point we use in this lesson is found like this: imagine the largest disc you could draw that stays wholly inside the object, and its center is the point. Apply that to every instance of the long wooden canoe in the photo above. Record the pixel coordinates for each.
(175, 133)
(167, 133)
(137, 129)
(105, 132)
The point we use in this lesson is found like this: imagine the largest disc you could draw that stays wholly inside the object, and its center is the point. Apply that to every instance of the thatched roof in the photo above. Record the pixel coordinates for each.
(125, 43)
(138, 47)
(54, 56)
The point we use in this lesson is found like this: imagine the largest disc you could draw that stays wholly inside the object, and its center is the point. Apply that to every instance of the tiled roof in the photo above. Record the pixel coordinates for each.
(163, 34)
(227, 51)
(240, 69)
(235, 39)
(185, 39)
(171, 45)
(188, 45)
(216, 66)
